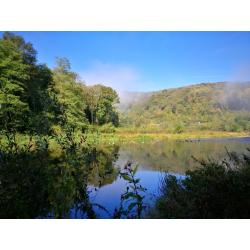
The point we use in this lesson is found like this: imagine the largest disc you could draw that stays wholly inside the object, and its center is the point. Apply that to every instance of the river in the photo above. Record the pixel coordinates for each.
(88, 184)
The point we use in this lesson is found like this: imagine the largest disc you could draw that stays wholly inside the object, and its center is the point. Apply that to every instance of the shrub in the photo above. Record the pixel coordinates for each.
(215, 190)
(178, 129)
(107, 128)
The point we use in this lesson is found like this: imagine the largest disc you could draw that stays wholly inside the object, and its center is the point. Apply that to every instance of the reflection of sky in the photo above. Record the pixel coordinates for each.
(109, 195)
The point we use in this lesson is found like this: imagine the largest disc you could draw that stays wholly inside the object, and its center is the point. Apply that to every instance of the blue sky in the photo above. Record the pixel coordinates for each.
(146, 61)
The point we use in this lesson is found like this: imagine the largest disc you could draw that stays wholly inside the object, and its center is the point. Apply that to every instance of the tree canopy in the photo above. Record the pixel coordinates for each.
(34, 98)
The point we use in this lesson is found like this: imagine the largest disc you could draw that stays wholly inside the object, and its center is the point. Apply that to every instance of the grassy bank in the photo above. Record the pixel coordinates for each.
(119, 137)
(144, 137)
(128, 137)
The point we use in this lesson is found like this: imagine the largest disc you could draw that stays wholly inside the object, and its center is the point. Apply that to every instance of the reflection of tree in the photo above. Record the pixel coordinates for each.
(80, 168)
(176, 156)
(37, 185)
(101, 167)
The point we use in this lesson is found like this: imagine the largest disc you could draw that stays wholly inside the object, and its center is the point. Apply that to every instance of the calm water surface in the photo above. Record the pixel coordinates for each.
(157, 158)
(57, 187)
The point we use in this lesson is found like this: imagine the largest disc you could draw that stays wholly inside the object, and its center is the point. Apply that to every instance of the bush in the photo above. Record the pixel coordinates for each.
(236, 128)
(178, 129)
(107, 128)
(215, 190)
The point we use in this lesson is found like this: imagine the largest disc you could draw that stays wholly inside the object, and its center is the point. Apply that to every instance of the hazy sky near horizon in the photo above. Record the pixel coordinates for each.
(147, 61)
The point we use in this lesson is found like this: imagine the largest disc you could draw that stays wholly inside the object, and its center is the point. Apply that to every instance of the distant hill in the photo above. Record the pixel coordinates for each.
(205, 106)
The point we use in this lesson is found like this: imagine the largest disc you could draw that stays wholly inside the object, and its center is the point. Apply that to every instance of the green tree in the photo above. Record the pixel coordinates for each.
(71, 95)
(101, 107)
(25, 87)
(14, 107)
(33, 98)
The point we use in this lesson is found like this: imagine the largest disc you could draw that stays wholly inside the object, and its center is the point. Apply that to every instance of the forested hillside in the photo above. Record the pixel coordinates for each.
(206, 106)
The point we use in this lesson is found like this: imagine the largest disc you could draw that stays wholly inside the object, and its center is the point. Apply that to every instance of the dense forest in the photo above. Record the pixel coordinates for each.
(35, 99)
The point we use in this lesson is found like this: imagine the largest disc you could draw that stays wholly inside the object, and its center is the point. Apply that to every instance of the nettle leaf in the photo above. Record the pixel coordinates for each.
(136, 181)
(128, 195)
(132, 205)
(126, 177)
(139, 197)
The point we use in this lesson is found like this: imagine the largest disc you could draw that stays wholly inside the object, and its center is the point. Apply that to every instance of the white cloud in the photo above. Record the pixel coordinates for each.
(120, 77)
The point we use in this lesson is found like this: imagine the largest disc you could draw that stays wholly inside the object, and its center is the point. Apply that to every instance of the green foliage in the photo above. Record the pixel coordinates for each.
(14, 106)
(107, 128)
(25, 101)
(178, 129)
(100, 105)
(34, 99)
(70, 95)
(215, 190)
(83, 105)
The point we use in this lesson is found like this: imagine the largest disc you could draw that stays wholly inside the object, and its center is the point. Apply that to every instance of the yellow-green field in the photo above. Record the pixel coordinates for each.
(123, 136)
(128, 137)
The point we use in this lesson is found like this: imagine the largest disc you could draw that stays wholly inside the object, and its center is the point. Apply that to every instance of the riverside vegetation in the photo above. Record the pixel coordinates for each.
(52, 126)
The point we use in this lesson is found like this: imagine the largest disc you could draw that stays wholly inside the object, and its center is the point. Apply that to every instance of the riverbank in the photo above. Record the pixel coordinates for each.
(120, 137)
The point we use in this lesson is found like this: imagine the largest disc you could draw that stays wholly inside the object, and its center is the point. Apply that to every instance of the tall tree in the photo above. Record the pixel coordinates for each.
(70, 94)
(101, 102)
(25, 100)
(13, 83)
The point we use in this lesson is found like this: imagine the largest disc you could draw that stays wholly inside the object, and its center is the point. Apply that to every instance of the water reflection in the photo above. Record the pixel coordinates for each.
(37, 185)
(176, 156)
(85, 184)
